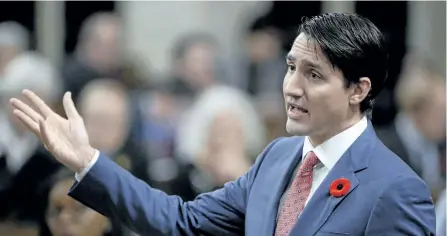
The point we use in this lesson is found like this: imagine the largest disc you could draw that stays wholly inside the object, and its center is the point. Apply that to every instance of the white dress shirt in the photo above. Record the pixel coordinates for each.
(331, 151)
(79, 176)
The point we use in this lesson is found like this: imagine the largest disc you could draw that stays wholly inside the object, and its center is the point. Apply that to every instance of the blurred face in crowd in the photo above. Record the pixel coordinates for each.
(105, 116)
(318, 103)
(68, 217)
(263, 45)
(428, 110)
(198, 65)
(103, 45)
(430, 119)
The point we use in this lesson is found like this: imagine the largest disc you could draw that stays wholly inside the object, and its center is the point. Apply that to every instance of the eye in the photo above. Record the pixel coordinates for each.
(291, 68)
(314, 75)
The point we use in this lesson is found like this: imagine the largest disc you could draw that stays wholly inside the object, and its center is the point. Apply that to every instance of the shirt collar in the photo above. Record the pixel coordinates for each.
(331, 150)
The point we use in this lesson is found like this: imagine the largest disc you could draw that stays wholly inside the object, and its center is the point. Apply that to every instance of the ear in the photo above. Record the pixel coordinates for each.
(360, 91)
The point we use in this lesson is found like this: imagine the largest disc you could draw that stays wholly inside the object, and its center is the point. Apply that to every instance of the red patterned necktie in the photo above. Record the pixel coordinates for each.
(296, 196)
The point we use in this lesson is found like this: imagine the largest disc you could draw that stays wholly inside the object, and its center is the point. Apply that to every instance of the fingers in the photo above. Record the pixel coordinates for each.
(44, 134)
(70, 109)
(27, 110)
(39, 103)
(27, 121)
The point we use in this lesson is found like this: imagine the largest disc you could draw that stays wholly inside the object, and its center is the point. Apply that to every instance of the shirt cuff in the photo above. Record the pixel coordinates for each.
(79, 176)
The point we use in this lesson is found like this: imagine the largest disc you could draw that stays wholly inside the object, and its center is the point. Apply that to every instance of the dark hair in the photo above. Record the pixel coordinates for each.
(354, 45)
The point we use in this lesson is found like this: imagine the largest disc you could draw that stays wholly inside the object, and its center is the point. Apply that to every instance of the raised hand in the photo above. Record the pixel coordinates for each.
(66, 139)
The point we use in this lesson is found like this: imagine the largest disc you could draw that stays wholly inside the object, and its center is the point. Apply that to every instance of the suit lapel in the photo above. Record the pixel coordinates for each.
(322, 204)
(286, 165)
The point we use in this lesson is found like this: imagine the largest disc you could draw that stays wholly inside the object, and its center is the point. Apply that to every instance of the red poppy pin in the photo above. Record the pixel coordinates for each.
(340, 187)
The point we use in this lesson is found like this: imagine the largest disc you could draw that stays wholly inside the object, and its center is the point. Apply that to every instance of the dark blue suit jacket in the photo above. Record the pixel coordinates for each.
(386, 197)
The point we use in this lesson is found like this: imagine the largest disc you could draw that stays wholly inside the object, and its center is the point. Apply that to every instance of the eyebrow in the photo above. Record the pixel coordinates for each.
(307, 62)
(290, 57)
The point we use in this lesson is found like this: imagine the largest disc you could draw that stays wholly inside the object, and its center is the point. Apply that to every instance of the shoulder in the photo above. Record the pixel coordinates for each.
(386, 164)
(397, 193)
(395, 179)
(404, 205)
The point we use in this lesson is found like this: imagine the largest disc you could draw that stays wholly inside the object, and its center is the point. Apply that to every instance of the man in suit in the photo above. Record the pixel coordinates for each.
(333, 177)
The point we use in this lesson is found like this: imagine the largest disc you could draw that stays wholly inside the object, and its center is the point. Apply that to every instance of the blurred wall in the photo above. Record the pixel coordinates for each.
(427, 28)
(152, 27)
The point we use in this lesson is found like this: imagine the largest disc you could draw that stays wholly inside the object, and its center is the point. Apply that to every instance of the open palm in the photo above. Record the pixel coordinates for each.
(66, 139)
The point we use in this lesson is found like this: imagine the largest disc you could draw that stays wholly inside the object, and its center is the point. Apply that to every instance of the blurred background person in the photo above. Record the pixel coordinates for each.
(260, 72)
(99, 54)
(68, 217)
(179, 90)
(106, 107)
(24, 164)
(222, 132)
(418, 133)
(161, 107)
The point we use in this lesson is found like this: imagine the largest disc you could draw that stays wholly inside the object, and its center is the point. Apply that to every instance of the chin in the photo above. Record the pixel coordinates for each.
(297, 128)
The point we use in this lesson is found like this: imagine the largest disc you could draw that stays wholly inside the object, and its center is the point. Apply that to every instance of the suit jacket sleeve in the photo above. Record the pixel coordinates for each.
(115, 193)
(404, 208)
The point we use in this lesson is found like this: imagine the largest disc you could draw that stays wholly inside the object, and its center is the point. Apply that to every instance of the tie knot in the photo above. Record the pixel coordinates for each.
(310, 161)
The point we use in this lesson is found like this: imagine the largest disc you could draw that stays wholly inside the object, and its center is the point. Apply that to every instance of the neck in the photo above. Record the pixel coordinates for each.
(320, 138)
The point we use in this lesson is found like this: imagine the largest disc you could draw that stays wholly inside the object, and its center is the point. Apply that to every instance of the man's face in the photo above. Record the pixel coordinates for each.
(316, 98)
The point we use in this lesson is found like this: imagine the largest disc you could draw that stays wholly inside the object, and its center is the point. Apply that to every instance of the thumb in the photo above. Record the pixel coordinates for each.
(69, 107)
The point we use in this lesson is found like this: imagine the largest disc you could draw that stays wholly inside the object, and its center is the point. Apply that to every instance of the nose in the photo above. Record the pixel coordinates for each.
(293, 86)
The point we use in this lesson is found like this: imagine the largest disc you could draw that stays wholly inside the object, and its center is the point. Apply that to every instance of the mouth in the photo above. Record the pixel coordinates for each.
(296, 108)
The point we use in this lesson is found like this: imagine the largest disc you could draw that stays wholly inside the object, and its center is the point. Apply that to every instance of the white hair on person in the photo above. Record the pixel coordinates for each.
(31, 71)
(14, 34)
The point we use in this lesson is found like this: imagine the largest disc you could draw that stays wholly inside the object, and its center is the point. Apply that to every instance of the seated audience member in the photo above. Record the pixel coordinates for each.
(99, 54)
(105, 106)
(160, 107)
(221, 132)
(68, 217)
(24, 163)
(259, 70)
(418, 134)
